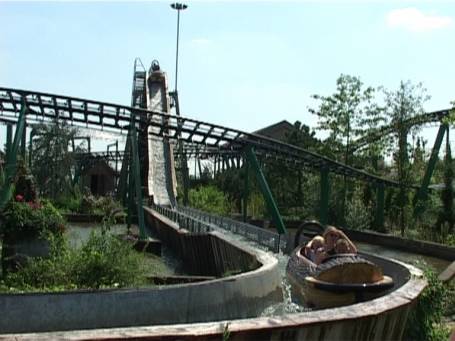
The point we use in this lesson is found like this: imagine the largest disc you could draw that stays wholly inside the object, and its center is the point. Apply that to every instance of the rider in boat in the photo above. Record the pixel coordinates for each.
(331, 236)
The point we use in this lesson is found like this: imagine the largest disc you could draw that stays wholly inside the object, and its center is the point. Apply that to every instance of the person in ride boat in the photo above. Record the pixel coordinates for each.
(315, 250)
(331, 236)
(342, 246)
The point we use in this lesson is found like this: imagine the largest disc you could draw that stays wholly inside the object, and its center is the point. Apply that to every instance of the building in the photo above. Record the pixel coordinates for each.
(278, 131)
(99, 177)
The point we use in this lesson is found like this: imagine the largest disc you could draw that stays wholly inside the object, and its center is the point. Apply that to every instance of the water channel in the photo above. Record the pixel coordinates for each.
(80, 232)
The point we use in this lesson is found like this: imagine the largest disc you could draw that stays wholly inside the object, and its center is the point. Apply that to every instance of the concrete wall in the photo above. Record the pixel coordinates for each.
(380, 319)
(240, 296)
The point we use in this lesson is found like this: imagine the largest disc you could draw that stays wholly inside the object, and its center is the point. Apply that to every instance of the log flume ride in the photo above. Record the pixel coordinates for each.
(339, 280)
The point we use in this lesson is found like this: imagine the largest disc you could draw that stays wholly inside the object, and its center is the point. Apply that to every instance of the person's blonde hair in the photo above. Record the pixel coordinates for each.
(342, 242)
(318, 239)
(329, 229)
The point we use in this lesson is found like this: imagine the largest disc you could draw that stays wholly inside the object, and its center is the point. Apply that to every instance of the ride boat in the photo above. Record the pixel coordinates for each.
(339, 280)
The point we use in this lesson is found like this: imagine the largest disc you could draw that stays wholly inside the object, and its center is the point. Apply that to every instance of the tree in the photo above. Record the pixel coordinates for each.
(344, 115)
(402, 105)
(51, 160)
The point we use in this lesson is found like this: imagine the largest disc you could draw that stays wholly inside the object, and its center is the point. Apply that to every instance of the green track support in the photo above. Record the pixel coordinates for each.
(135, 176)
(24, 140)
(30, 147)
(184, 163)
(325, 192)
(9, 137)
(380, 204)
(6, 191)
(123, 178)
(246, 189)
(421, 194)
(266, 192)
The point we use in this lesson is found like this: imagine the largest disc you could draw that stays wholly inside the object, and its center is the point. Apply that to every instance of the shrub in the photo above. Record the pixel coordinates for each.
(106, 261)
(424, 322)
(31, 218)
(209, 199)
(102, 261)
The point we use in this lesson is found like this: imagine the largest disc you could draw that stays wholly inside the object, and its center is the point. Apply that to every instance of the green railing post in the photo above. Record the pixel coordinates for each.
(421, 194)
(380, 203)
(245, 189)
(266, 192)
(324, 200)
(11, 157)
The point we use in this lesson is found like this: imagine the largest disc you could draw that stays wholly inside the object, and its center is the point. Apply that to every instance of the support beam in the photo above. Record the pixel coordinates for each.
(24, 139)
(122, 185)
(324, 201)
(421, 194)
(9, 137)
(184, 161)
(6, 191)
(135, 178)
(245, 190)
(380, 203)
(266, 192)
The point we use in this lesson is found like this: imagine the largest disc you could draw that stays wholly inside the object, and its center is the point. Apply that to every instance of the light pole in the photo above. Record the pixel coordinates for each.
(178, 7)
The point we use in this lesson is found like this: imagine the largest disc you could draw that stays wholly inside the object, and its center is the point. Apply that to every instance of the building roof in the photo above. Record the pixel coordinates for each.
(278, 131)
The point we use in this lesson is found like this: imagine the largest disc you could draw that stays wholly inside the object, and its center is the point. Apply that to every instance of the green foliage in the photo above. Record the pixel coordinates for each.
(103, 261)
(32, 218)
(256, 205)
(345, 113)
(88, 204)
(209, 199)
(106, 261)
(52, 162)
(358, 215)
(424, 322)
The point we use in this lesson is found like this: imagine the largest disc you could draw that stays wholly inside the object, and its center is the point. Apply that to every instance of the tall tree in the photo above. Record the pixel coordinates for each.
(401, 106)
(51, 161)
(344, 115)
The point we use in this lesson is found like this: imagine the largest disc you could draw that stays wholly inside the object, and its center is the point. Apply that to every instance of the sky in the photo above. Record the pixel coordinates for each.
(242, 64)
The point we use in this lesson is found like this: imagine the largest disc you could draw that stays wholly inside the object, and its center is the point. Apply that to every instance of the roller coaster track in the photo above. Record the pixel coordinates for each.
(45, 107)
(431, 117)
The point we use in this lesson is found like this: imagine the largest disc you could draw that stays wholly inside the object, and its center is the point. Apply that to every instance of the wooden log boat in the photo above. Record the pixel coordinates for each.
(340, 280)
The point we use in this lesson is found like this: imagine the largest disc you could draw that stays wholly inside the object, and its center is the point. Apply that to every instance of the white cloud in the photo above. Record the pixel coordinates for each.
(414, 20)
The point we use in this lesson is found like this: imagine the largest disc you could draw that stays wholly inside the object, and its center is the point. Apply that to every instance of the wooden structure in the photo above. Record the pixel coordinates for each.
(100, 177)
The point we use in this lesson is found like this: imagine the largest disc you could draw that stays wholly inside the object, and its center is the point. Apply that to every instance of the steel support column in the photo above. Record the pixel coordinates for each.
(9, 137)
(380, 203)
(245, 189)
(324, 201)
(11, 157)
(421, 194)
(24, 139)
(135, 178)
(266, 192)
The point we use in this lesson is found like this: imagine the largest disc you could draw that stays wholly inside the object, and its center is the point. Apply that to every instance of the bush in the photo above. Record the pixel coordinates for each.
(209, 199)
(102, 261)
(106, 261)
(31, 218)
(424, 322)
